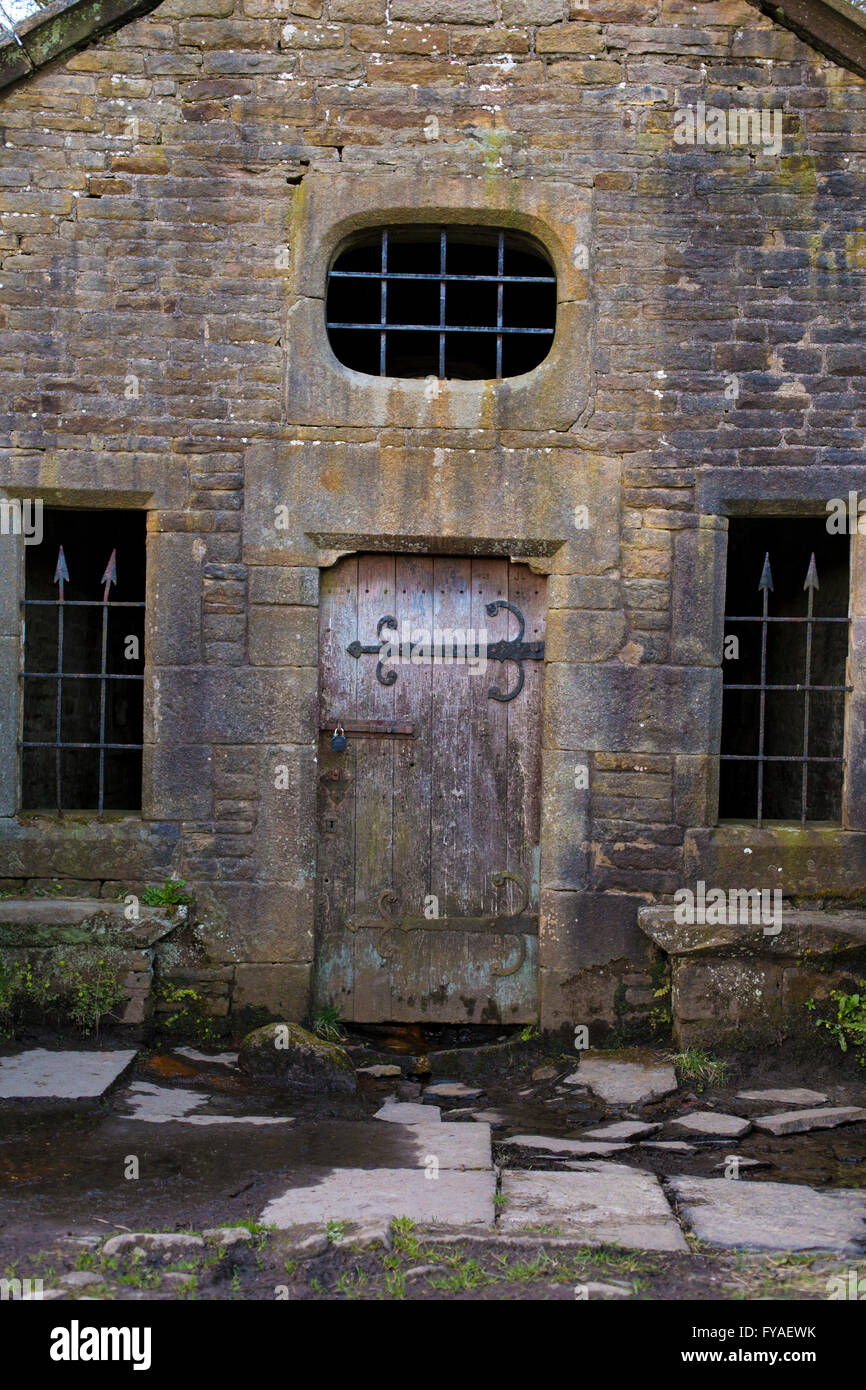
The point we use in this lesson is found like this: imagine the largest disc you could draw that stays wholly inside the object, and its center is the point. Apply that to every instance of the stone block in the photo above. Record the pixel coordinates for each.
(285, 839)
(282, 991)
(444, 11)
(283, 636)
(357, 495)
(584, 591)
(802, 862)
(582, 635)
(281, 585)
(126, 850)
(640, 709)
(174, 594)
(534, 11)
(697, 618)
(177, 782)
(9, 656)
(12, 551)
(696, 789)
(579, 931)
(565, 825)
(252, 924)
(244, 705)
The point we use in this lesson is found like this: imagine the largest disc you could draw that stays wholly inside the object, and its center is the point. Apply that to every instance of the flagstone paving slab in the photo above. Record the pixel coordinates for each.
(41, 1074)
(622, 1082)
(454, 1145)
(381, 1194)
(771, 1215)
(602, 1203)
(796, 1095)
(399, 1112)
(585, 1148)
(452, 1090)
(713, 1124)
(624, 1129)
(799, 1121)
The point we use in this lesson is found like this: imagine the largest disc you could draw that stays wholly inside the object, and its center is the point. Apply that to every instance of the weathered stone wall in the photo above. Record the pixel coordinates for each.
(159, 350)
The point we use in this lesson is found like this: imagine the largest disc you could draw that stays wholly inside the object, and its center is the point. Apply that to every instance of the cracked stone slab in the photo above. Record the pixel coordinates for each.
(451, 1090)
(623, 1129)
(602, 1203)
(621, 1082)
(403, 1112)
(41, 1074)
(382, 1194)
(796, 1095)
(798, 1121)
(579, 1148)
(771, 1215)
(454, 1146)
(713, 1124)
(675, 1146)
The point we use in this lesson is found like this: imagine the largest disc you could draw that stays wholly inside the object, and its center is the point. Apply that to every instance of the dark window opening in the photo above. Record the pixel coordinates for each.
(83, 671)
(786, 650)
(460, 302)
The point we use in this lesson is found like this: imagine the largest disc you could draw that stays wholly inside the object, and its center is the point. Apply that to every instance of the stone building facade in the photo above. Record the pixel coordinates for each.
(174, 188)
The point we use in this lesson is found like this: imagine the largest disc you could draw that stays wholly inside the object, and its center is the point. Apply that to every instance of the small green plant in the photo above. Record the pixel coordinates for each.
(500, 1199)
(327, 1024)
(182, 1011)
(696, 1065)
(81, 986)
(849, 1025)
(94, 994)
(530, 1033)
(334, 1229)
(171, 894)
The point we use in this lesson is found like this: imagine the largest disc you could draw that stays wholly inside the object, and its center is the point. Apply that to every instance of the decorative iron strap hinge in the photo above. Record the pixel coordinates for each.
(514, 649)
(516, 924)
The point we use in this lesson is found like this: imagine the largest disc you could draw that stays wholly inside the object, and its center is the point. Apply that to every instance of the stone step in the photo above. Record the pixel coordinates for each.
(46, 922)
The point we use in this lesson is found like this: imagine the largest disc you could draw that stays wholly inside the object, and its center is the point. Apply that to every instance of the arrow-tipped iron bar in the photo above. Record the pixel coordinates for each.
(765, 585)
(61, 575)
(109, 578)
(810, 586)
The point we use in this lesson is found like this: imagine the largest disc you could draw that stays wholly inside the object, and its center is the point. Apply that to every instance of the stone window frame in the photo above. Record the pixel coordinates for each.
(328, 208)
(12, 583)
(752, 492)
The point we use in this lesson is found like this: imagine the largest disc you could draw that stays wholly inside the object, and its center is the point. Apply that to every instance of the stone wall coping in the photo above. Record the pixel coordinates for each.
(23, 919)
(819, 931)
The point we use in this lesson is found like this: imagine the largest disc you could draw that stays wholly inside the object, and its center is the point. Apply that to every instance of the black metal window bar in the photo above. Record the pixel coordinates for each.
(807, 687)
(103, 675)
(385, 325)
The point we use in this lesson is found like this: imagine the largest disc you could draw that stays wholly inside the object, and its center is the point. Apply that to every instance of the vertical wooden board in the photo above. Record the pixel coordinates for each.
(489, 792)
(488, 731)
(527, 591)
(454, 870)
(335, 872)
(410, 952)
(374, 782)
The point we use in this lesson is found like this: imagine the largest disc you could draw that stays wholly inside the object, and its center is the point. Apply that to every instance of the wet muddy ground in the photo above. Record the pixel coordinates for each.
(64, 1188)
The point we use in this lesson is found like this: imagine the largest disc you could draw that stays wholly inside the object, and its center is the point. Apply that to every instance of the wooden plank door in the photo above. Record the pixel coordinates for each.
(427, 878)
